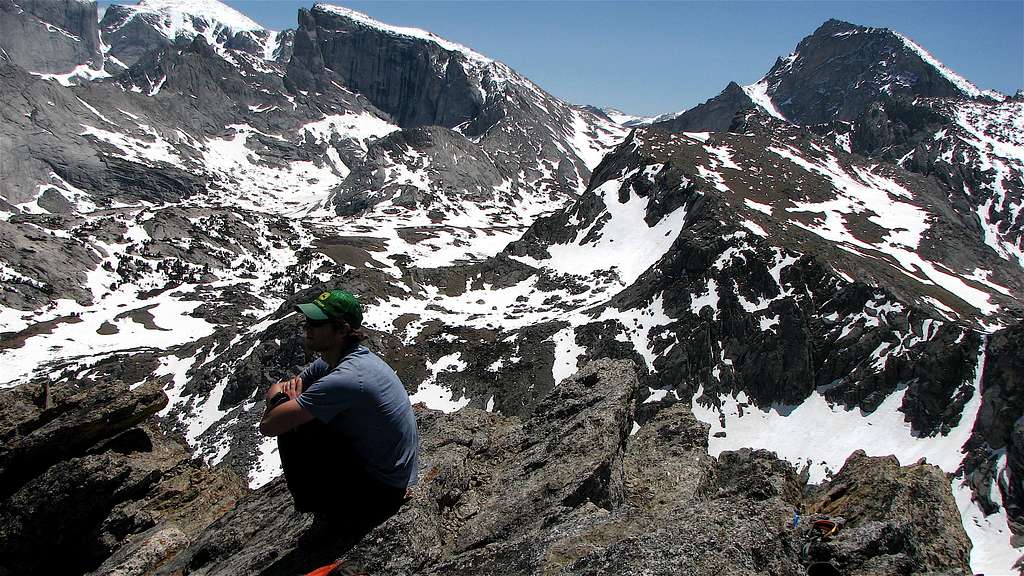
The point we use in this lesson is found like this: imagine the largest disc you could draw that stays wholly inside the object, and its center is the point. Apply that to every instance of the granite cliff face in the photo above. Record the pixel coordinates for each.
(50, 36)
(417, 82)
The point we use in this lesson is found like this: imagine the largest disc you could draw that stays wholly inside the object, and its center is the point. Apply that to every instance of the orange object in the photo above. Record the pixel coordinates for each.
(826, 527)
(325, 570)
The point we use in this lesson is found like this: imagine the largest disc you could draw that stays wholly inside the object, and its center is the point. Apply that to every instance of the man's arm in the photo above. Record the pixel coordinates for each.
(286, 415)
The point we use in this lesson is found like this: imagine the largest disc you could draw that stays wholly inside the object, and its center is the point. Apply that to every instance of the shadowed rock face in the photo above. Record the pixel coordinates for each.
(129, 35)
(50, 36)
(459, 165)
(418, 83)
(573, 489)
(714, 115)
(999, 430)
(86, 479)
(842, 67)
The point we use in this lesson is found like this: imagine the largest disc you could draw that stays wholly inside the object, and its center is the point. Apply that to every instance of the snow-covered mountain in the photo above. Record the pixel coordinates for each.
(537, 150)
(845, 259)
(128, 32)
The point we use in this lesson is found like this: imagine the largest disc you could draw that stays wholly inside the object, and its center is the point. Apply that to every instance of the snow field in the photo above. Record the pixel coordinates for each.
(214, 20)
(136, 150)
(567, 354)
(82, 72)
(268, 463)
(435, 396)
(640, 324)
(1000, 152)
(906, 224)
(759, 94)
(625, 243)
(81, 340)
(990, 535)
(252, 185)
(821, 436)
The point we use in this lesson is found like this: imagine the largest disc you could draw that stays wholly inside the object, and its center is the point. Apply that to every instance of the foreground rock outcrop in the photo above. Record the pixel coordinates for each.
(577, 488)
(90, 483)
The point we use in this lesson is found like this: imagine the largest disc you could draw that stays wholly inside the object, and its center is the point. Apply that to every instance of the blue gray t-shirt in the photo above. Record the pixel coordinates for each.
(363, 400)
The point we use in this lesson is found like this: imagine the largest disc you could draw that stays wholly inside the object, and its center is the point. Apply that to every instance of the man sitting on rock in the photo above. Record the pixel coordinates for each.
(346, 430)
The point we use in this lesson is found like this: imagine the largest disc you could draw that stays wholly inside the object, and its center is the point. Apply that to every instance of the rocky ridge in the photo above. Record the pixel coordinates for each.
(834, 74)
(93, 462)
(573, 489)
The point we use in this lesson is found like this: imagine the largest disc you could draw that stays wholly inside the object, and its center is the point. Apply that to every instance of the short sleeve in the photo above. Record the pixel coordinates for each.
(313, 372)
(329, 396)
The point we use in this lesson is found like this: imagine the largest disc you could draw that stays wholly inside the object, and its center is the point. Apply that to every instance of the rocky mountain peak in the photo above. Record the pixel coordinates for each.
(834, 74)
(837, 70)
(181, 17)
(131, 31)
(435, 81)
(714, 115)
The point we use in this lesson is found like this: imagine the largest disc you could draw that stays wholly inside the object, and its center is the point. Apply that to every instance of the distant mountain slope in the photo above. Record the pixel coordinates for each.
(536, 142)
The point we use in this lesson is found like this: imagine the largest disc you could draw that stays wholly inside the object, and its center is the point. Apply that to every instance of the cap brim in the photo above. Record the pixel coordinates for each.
(312, 311)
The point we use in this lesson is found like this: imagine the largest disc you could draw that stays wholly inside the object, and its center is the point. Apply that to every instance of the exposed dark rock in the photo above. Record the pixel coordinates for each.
(32, 445)
(81, 460)
(836, 73)
(889, 127)
(928, 136)
(418, 83)
(942, 381)
(842, 67)
(130, 35)
(905, 518)
(997, 430)
(462, 172)
(714, 115)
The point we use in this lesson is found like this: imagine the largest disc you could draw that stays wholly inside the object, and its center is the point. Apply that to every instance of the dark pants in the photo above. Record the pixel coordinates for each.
(327, 477)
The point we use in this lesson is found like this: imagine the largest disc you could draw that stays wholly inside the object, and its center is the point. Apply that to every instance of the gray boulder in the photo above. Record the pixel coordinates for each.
(87, 481)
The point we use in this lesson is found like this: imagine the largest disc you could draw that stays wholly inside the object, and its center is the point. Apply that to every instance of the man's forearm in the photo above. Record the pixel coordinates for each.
(283, 417)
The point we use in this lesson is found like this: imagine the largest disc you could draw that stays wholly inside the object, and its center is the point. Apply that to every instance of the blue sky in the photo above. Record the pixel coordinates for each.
(654, 57)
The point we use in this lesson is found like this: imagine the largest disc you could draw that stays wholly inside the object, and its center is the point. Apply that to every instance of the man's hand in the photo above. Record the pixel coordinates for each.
(292, 387)
(286, 415)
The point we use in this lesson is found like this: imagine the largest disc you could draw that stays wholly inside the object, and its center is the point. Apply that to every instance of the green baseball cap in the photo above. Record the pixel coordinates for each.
(334, 305)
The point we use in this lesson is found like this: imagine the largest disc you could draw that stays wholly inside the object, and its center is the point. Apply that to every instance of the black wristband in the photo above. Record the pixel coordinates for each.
(277, 400)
